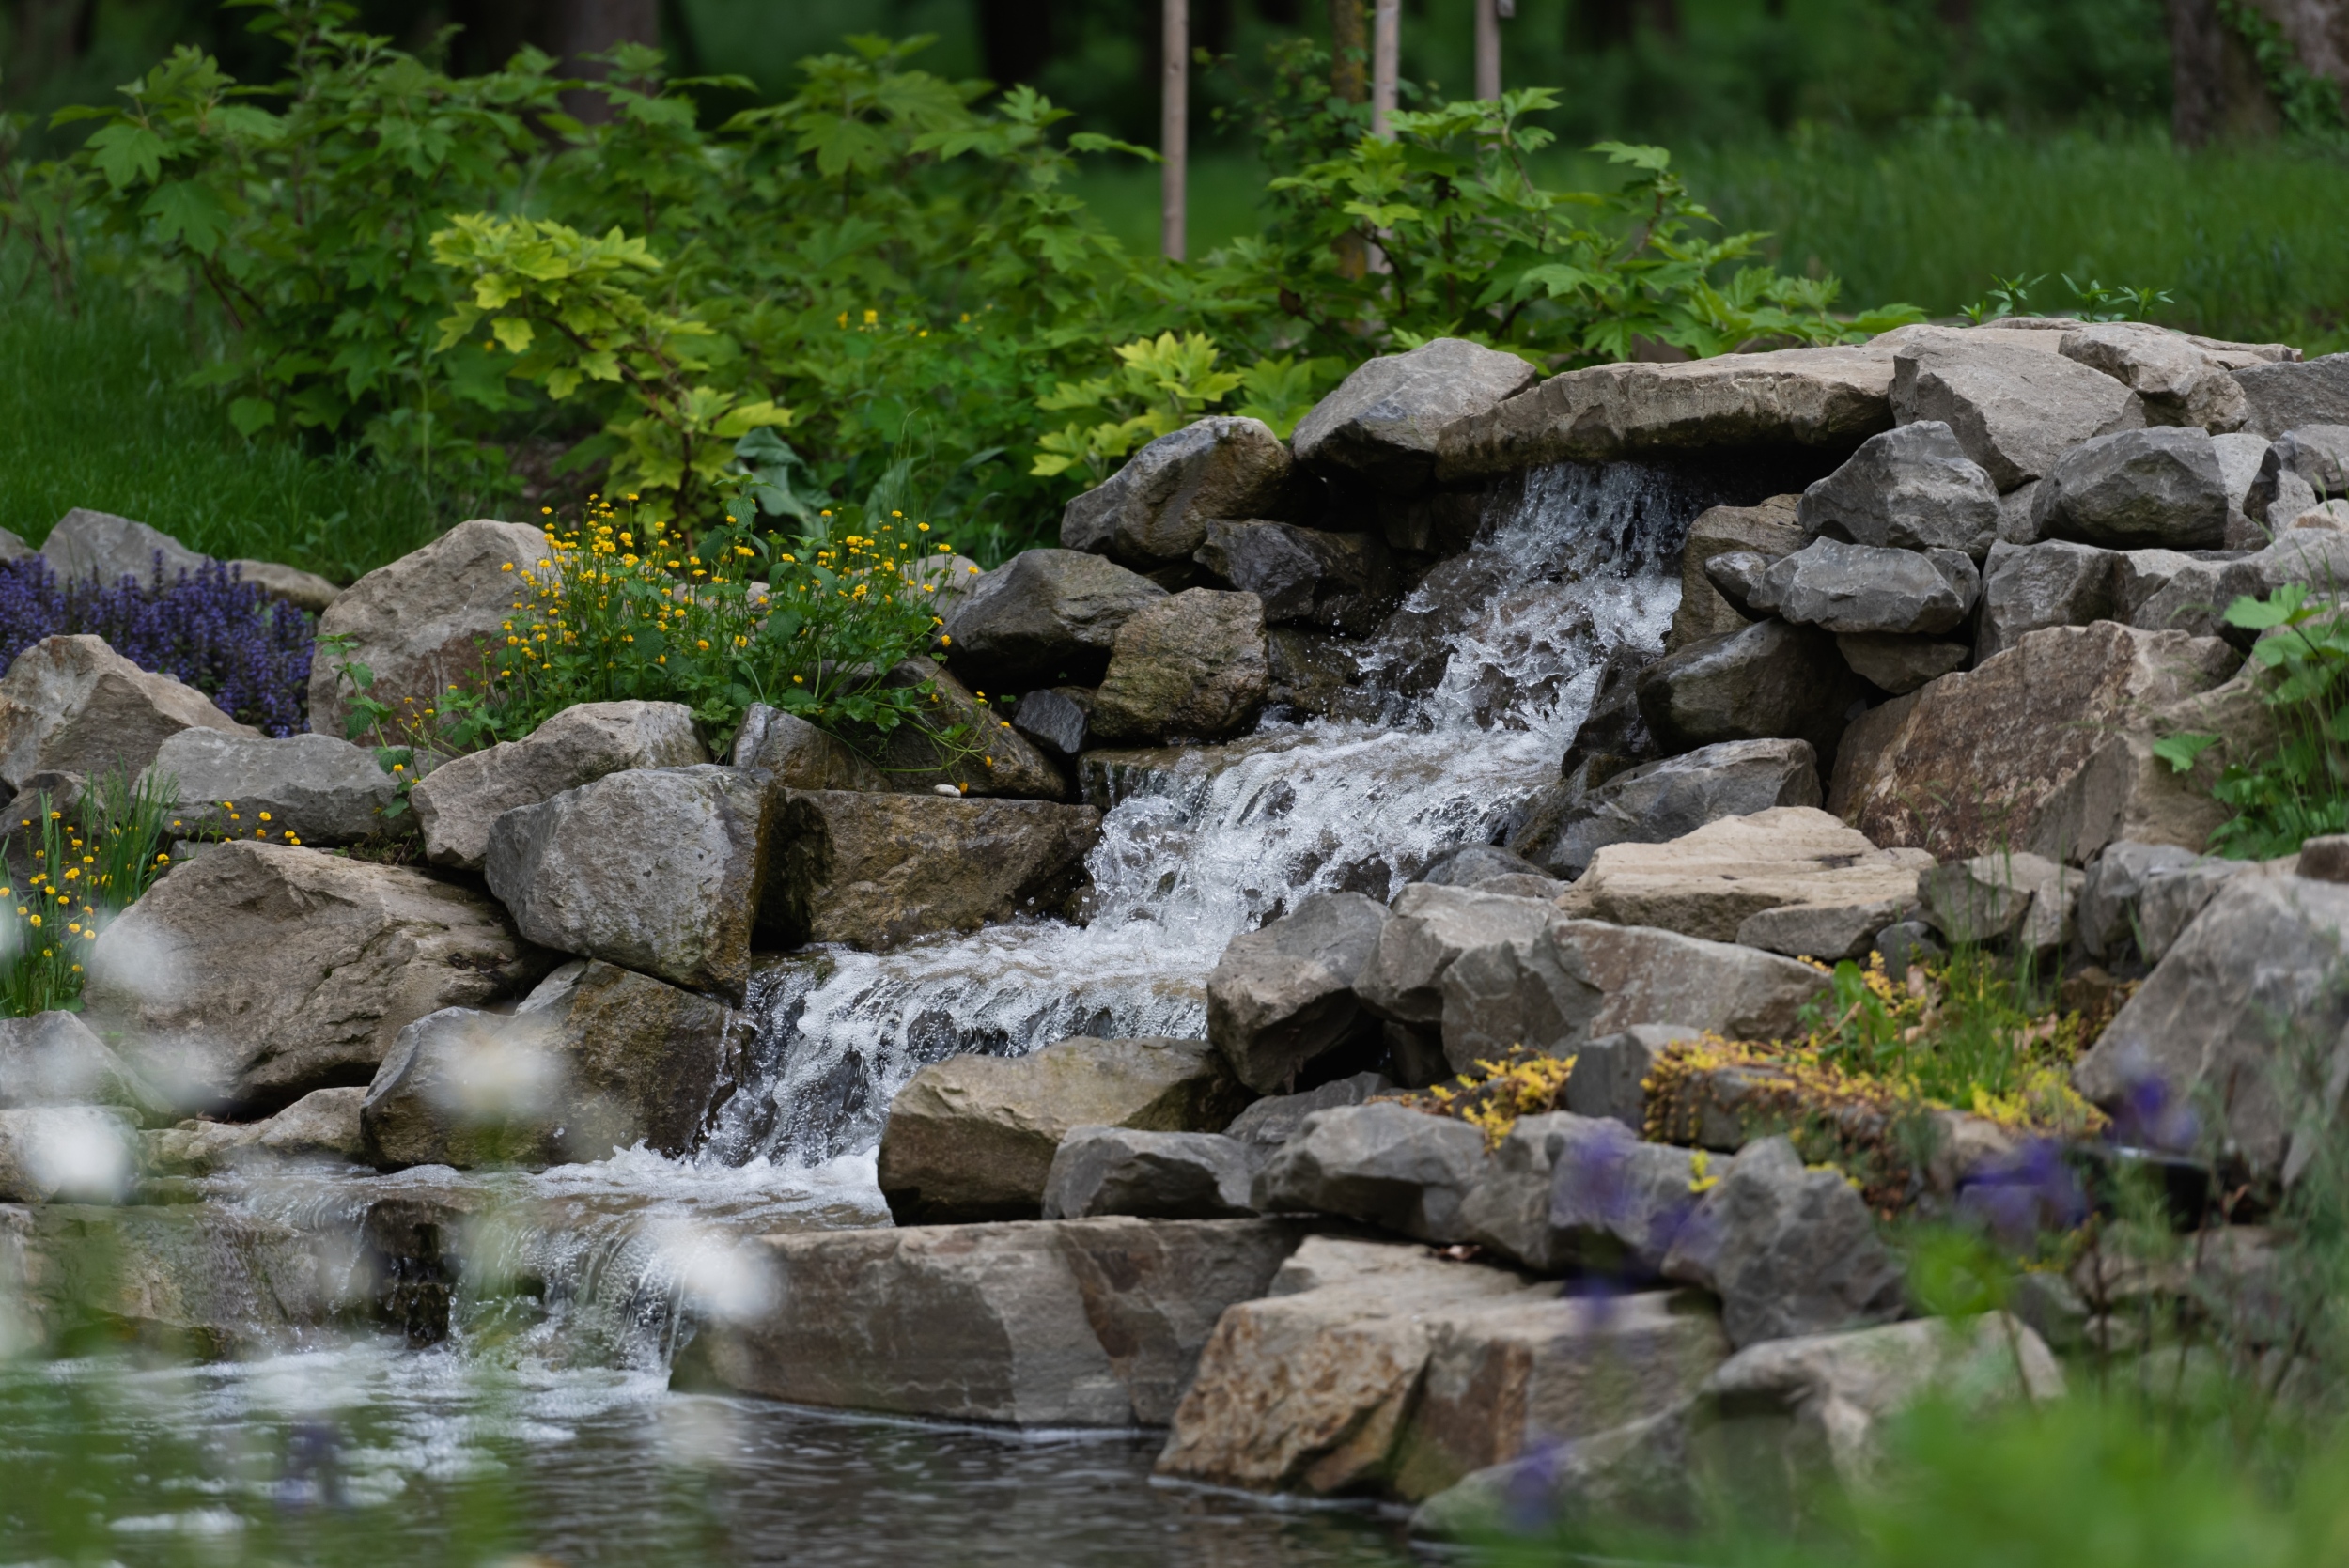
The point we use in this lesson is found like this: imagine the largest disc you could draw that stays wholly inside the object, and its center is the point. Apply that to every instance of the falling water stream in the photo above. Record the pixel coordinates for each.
(1480, 683)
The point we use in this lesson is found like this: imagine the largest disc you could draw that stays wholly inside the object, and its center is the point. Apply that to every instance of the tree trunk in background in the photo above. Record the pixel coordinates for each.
(1386, 55)
(1173, 123)
(2215, 85)
(1015, 39)
(1487, 49)
(1349, 79)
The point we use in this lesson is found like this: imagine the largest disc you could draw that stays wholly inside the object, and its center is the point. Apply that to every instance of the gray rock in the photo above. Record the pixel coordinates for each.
(1272, 1120)
(1380, 424)
(2194, 599)
(67, 1154)
(304, 590)
(2214, 1024)
(2173, 895)
(1789, 1251)
(1611, 1072)
(13, 547)
(1909, 489)
(800, 755)
(305, 789)
(1566, 1191)
(2325, 859)
(99, 545)
(1898, 663)
(2240, 459)
(874, 871)
(1312, 674)
(1906, 942)
(1771, 681)
(1474, 865)
(2278, 498)
(72, 705)
(1044, 617)
(324, 1123)
(973, 1136)
(598, 1060)
(1071, 1323)
(2014, 896)
(459, 801)
(1155, 510)
(2017, 523)
(1311, 577)
(1159, 1176)
(2159, 488)
(2318, 454)
(1656, 802)
(52, 1059)
(258, 972)
(2110, 893)
(1824, 930)
(2025, 587)
(1770, 530)
(2284, 396)
(2137, 575)
(1283, 996)
(1432, 927)
(1848, 588)
(1741, 578)
(1387, 1165)
(2014, 411)
(2179, 383)
(1191, 666)
(421, 623)
(655, 869)
(1058, 719)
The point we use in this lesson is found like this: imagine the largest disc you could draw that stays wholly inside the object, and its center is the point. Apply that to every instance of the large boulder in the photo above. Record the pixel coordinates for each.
(52, 1059)
(67, 1154)
(2006, 896)
(1191, 666)
(72, 705)
(655, 869)
(1044, 617)
(2213, 1029)
(88, 546)
(1909, 489)
(1379, 426)
(1565, 1191)
(1827, 398)
(1771, 681)
(598, 1058)
(1788, 1250)
(304, 590)
(1432, 927)
(2112, 893)
(1975, 760)
(973, 1136)
(1155, 510)
(1865, 588)
(1710, 882)
(1159, 1176)
(1075, 1322)
(256, 973)
(423, 623)
(1268, 1122)
(305, 789)
(457, 802)
(1611, 1072)
(876, 870)
(1770, 530)
(800, 755)
(2178, 383)
(1283, 996)
(1385, 1164)
(1898, 663)
(2159, 488)
(2194, 596)
(1659, 801)
(323, 1125)
(2282, 396)
(1310, 577)
(2014, 409)
(2025, 587)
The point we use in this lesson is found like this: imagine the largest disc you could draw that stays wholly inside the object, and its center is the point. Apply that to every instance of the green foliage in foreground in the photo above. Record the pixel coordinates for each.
(83, 873)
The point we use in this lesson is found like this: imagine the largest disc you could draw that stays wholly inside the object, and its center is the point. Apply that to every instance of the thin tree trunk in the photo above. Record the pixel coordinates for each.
(1350, 52)
(1386, 50)
(1174, 122)
(1488, 48)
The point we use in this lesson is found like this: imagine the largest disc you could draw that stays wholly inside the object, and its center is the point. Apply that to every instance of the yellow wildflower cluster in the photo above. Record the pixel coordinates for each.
(1492, 1094)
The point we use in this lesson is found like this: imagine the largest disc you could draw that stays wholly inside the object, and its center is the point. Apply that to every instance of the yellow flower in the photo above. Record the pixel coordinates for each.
(506, 566)
(871, 317)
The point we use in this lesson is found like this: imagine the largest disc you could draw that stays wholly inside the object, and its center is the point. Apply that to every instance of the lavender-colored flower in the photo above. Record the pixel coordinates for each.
(2033, 1189)
(209, 629)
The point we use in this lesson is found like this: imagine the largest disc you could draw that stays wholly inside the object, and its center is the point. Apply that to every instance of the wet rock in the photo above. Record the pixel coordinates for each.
(1709, 882)
(1044, 617)
(2158, 487)
(1909, 489)
(2025, 587)
(1155, 510)
(52, 1059)
(1190, 666)
(72, 705)
(2110, 893)
(1311, 673)
(956, 739)
(304, 590)
(2179, 383)
(324, 1124)
(306, 788)
(973, 1136)
(420, 624)
(457, 802)
(1771, 681)
(874, 871)
(1565, 1191)
(1073, 1323)
(86, 545)
(1159, 1176)
(2012, 410)
(1345, 582)
(1308, 1385)
(1847, 588)
(1272, 1120)
(1665, 799)
(1432, 927)
(2012, 897)
(2284, 396)
(259, 972)
(1283, 996)
(1817, 398)
(1058, 719)
(70, 1154)
(800, 755)
(2257, 967)
(1379, 426)
(598, 1060)
(656, 869)
(1788, 1250)
(1979, 758)
(1897, 663)
(1770, 530)
(1384, 1164)
(1611, 1072)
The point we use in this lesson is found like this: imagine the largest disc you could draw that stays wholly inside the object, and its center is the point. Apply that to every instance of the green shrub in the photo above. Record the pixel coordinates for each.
(83, 872)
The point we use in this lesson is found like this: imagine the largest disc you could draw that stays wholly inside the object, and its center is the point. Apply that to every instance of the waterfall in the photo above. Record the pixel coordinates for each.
(1483, 676)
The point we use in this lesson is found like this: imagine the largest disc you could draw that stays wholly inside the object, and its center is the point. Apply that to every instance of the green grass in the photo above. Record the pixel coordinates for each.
(93, 414)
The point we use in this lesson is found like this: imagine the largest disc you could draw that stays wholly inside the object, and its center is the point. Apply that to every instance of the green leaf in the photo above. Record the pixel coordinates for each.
(252, 415)
(126, 153)
(2181, 752)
